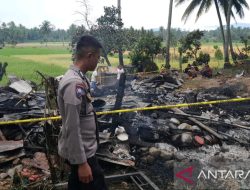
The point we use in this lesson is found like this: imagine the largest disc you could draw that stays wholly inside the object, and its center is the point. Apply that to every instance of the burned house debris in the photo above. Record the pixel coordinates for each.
(148, 142)
(167, 136)
(19, 101)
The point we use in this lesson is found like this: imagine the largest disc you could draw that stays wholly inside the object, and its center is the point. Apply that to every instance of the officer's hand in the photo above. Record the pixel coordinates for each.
(85, 173)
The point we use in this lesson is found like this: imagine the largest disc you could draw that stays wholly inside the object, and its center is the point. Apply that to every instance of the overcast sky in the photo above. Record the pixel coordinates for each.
(136, 13)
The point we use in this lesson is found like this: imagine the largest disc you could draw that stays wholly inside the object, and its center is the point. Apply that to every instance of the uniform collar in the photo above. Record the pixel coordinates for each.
(79, 72)
(76, 69)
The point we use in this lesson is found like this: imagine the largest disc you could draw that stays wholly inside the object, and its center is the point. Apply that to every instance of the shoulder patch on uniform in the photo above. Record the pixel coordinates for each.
(83, 85)
(80, 90)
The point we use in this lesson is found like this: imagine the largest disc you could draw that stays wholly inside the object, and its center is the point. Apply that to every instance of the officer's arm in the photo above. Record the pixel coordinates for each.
(72, 102)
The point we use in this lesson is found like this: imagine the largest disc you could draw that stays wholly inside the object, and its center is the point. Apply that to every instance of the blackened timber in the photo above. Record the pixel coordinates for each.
(120, 91)
(208, 129)
(119, 96)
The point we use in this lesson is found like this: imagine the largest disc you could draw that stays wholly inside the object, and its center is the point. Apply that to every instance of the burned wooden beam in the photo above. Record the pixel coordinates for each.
(119, 97)
(206, 128)
(203, 126)
(120, 91)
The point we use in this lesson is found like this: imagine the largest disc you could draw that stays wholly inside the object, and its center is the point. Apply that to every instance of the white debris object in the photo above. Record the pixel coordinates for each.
(240, 74)
(21, 86)
(175, 121)
(58, 78)
(122, 137)
(119, 130)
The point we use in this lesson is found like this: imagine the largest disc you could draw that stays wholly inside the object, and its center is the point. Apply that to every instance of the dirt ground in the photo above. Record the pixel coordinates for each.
(203, 83)
(221, 78)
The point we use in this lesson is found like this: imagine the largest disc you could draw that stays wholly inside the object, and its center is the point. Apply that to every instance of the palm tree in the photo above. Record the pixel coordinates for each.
(228, 20)
(220, 21)
(167, 64)
(227, 8)
(46, 28)
(204, 6)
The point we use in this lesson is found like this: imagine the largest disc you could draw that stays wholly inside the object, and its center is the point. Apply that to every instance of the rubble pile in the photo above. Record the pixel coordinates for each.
(158, 88)
(160, 138)
(19, 101)
(149, 140)
(19, 144)
(162, 128)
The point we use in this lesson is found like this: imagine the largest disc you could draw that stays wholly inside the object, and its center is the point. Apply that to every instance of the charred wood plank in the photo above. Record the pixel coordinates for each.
(203, 126)
(119, 97)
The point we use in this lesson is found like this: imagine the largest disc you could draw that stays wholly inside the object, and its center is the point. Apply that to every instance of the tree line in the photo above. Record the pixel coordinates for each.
(11, 33)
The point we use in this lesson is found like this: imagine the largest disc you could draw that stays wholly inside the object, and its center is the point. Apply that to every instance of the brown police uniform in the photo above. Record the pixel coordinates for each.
(78, 137)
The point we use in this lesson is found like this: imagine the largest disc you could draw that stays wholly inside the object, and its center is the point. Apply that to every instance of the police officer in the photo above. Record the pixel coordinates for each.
(79, 135)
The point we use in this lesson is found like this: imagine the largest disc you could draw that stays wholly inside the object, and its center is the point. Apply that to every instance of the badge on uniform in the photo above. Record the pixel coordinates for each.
(80, 91)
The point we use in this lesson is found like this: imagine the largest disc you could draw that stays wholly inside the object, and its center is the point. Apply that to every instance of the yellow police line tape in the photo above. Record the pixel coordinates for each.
(131, 110)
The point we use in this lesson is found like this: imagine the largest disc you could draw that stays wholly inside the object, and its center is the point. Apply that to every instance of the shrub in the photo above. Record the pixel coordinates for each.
(203, 58)
(143, 54)
(218, 53)
(142, 63)
(148, 66)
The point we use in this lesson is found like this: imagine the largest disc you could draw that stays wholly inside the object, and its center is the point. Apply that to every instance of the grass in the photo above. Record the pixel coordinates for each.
(62, 60)
(10, 51)
(26, 58)
(36, 44)
(27, 69)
